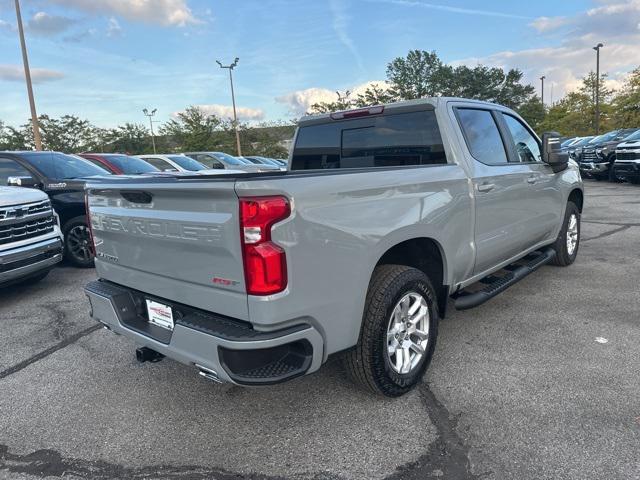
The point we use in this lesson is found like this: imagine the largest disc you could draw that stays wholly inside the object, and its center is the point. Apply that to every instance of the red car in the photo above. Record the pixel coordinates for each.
(120, 164)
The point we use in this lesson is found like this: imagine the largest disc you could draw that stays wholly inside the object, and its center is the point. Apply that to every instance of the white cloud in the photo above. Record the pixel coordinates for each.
(15, 73)
(44, 24)
(546, 24)
(7, 26)
(614, 23)
(300, 101)
(113, 28)
(226, 111)
(163, 12)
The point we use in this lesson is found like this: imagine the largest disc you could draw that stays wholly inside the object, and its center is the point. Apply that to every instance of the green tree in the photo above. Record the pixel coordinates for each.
(574, 114)
(423, 74)
(68, 134)
(344, 101)
(420, 74)
(130, 138)
(193, 130)
(533, 112)
(626, 104)
(267, 139)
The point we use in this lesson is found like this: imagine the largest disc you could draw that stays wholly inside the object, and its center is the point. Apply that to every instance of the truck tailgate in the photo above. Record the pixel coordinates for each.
(177, 239)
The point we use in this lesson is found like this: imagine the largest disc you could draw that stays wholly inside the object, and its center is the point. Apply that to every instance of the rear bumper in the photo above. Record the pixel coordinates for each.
(22, 262)
(226, 349)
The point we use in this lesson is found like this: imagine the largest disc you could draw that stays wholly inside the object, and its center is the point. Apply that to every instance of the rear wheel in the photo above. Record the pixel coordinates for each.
(399, 331)
(568, 241)
(77, 243)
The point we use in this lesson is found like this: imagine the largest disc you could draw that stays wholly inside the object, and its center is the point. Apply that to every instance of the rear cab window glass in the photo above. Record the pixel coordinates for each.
(392, 140)
(482, 135)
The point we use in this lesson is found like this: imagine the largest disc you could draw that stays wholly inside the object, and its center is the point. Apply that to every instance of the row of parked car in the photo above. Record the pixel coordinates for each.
(42, 224)
(613, 156)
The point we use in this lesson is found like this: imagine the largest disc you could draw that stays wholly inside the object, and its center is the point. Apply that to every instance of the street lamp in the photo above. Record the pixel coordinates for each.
(597, 49)
(27, 75)
(542, 90)
(150, 114)
(233, 100)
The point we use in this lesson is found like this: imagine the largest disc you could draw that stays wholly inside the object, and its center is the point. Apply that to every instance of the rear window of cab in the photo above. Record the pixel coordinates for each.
(392, 140)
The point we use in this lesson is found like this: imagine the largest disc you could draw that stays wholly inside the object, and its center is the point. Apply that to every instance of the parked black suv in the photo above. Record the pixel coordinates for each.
(59, 176)
(598, 155)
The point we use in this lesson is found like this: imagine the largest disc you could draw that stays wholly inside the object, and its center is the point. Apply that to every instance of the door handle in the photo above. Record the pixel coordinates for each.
(531, 180)
(486, 187)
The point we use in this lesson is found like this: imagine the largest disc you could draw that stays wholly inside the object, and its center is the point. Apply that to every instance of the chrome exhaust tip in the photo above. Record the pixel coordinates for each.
(208, 373)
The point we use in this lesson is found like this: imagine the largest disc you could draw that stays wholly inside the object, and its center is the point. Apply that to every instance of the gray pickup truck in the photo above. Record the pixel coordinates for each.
(30, 239)
(385, 213)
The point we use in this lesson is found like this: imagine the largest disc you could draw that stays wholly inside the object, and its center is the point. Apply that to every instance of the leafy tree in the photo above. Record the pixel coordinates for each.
(575, 113)
(420, 74)
(343, 102)
(130, 138)
(423, 74)
(626, 104)
(533, 112)
(268, 139)
(193, 130)
(66, 134)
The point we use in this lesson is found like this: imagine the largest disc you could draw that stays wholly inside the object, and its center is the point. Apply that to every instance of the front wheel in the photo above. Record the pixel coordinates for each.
(568, 241)
(398, 334)
(77, 243)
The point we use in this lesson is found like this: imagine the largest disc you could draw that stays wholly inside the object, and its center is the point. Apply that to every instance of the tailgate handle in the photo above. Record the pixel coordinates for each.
(137, 196)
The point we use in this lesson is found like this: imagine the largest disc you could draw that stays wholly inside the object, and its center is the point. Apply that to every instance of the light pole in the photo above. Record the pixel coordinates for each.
(27, 75)
(233, 100)
(597, 49)
(542, 90)
(150, 114)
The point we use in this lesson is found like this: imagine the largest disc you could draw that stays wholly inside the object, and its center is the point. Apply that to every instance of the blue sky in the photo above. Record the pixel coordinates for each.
(105, 60)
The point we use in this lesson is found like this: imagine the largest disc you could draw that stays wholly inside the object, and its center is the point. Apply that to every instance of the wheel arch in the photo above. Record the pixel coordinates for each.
(577, 197)
(425, 254)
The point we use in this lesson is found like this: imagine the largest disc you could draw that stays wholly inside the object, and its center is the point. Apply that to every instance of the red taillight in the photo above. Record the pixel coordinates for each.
(86, 209)
(265, 263)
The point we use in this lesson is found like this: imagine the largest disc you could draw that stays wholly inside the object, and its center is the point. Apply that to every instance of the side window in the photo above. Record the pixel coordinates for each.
(217, 164)
(11, 168)
(482, 136)
(159, 163)
(527, 146)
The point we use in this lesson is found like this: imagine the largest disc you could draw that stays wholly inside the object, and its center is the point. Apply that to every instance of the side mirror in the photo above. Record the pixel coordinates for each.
(552, 153)
(28, 182)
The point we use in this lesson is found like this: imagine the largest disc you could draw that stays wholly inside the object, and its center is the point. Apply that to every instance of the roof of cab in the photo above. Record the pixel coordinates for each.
(428, 103)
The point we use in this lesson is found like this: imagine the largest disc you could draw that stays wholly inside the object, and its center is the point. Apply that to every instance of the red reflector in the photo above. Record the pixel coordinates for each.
(362, 112)
(265, 263)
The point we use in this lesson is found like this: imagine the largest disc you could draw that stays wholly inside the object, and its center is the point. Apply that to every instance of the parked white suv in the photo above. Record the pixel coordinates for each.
(30, 238)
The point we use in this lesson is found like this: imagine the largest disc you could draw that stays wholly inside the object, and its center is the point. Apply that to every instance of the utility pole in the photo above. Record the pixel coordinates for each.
(542, 89)
(27, 75)
(597, 49)
(233, 100)
(150, 115)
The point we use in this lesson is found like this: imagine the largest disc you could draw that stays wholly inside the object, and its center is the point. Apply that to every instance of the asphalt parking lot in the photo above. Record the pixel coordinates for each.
(542, 382)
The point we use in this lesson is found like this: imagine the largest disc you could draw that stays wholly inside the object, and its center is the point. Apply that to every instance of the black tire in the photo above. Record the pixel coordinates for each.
(611, 175)
(76, 251)
(563, 258)
(368, 363)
